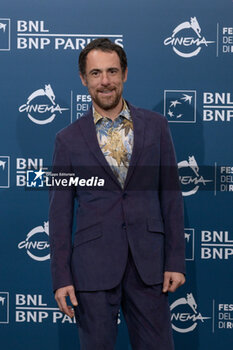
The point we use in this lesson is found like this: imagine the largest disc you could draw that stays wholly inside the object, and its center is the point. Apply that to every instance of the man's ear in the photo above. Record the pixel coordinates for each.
(83, 79)
(125, 75)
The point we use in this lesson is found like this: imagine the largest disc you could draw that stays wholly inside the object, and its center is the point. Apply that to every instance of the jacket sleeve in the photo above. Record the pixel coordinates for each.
(61, 219)
(171, 204)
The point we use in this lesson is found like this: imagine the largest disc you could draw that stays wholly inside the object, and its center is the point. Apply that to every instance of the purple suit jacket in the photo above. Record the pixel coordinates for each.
(147, 215)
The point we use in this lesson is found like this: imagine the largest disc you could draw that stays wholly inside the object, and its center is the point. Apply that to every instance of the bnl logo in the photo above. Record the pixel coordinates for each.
(4, 307)
(180, 106)
(4, 34)
(4, 172)
(35, 178)
(189, 240)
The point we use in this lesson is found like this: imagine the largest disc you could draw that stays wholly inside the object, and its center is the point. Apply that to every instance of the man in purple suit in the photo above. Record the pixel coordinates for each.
(128, 250)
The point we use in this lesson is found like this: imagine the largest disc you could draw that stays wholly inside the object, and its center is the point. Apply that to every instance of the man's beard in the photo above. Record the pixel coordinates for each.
(105, 103)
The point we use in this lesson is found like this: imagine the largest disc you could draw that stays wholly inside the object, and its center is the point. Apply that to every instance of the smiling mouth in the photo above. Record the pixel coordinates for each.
(106, 92)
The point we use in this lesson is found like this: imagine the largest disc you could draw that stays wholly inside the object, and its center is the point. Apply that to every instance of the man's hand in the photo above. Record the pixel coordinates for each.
(60, 296)
(172, 281)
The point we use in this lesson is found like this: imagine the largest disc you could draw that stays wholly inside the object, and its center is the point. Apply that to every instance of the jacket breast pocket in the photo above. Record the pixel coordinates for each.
(150, 154)
(155, 225)
(87, 234)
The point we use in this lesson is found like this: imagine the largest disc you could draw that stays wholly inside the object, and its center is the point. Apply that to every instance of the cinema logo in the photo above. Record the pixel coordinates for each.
(36, 243)
(217, 107)
(189, 176)
(31, 308)
(185, 316)
(41, 107)
(35, 35)
(216, 245)
(186, 39)
(23, 165)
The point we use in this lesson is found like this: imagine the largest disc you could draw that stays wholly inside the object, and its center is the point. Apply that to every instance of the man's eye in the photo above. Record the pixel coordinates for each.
(113, 71)
(95, 73)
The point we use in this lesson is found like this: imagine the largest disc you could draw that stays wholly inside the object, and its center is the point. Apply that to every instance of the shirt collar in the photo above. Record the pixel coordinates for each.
(124, 113)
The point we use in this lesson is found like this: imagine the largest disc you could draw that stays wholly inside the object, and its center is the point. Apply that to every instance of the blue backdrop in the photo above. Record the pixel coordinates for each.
(180, 64)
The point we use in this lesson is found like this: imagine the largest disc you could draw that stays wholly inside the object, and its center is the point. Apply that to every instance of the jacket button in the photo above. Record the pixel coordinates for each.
(124, 195)
(124, 225)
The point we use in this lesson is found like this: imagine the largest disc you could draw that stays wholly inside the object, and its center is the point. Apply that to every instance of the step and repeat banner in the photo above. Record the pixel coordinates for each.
(180, 64)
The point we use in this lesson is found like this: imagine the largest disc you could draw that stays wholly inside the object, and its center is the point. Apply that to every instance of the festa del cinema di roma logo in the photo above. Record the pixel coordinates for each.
(190, 184)
(36, 110)
(186, 317)
(36, 243)
(186, 39)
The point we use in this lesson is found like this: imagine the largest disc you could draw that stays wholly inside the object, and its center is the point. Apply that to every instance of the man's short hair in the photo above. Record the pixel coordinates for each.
(103, 44)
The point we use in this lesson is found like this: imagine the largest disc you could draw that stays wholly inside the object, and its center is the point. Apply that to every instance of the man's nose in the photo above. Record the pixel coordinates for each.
(105, 78)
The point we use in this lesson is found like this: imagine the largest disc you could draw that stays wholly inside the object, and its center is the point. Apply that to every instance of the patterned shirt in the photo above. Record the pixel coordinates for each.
(115, 139)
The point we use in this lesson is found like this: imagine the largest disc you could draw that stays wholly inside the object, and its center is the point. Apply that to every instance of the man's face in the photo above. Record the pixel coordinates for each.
(104, 79)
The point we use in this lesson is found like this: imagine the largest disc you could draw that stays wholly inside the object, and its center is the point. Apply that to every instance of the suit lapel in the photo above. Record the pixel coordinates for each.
(138, 127)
